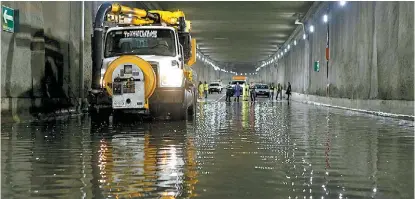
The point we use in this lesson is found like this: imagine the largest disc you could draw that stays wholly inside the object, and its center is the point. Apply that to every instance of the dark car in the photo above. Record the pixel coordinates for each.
(262, 89)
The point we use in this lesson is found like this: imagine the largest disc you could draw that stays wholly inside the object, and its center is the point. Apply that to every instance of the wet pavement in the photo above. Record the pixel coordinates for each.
(229, 150)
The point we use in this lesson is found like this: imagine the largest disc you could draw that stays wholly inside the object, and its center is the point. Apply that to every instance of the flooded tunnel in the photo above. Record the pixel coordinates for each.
(221, 99)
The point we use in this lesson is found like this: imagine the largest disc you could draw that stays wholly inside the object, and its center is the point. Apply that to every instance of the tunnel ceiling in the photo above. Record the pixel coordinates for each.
(240, 32)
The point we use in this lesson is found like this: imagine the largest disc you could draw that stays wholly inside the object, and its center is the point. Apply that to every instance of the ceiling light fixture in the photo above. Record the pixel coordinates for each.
(325, 18)
(342, 3)
(311, 28)
(295, 42)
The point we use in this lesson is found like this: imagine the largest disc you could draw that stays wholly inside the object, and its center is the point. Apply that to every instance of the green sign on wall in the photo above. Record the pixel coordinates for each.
(8, 22)
(317, 66)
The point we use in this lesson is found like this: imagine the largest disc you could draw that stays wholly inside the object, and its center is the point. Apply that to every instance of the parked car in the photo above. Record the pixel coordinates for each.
(215, 87)
(262, 89)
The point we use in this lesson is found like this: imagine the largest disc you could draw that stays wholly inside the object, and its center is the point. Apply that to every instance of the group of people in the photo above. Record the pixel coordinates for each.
(237, 91)
(279, 91)
(203, 89)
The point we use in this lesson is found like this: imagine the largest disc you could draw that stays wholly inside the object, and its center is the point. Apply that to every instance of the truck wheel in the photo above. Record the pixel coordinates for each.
(190, 110)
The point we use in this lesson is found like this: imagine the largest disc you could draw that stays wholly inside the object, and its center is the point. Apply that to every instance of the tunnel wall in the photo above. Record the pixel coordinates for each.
(208, 74)
(41, 61)
(371, 54)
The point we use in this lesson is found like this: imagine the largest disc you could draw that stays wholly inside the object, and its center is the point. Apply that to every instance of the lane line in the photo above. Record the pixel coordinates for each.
(220, 98)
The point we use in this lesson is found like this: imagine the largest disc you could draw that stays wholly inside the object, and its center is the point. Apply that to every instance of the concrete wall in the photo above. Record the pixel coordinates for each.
(41, 62)
(208, 74)
(371, 53)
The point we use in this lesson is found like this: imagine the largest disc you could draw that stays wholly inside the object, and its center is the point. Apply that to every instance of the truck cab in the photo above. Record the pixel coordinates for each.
(141, 61)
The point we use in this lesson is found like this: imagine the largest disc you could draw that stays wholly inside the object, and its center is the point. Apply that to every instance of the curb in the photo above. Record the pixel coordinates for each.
(377, 113)
(28, 118)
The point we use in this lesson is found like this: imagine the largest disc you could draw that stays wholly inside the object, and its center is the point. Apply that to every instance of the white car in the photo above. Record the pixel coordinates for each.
(215, 87)
(262, 89)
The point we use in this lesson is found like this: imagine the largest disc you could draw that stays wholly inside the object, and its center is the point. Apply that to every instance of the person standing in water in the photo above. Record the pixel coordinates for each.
(237, 92)
(279, 91)
(201, 89)
(228, 92)
(271, 91)
(288, 92)
(252, 93)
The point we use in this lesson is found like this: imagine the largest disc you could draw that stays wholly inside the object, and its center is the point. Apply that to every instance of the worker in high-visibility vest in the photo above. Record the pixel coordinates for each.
(206, 89)
(271, 91)
(201, 90)
(245, 92)
(279, 91)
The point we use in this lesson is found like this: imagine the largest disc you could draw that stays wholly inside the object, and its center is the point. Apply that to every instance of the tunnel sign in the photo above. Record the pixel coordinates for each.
(7, 15)
(317, 66)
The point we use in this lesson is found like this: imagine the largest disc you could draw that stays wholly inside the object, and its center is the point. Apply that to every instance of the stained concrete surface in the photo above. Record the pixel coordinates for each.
(42, 64)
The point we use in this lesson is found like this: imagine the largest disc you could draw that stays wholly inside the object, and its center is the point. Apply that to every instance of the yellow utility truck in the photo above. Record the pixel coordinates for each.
(142, 62)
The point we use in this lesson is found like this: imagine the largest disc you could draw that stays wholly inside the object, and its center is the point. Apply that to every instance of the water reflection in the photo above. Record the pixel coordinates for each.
(155, 162)
(230, 150)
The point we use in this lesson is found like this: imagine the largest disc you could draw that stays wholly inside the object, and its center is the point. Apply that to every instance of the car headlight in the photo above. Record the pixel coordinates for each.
(171, 77)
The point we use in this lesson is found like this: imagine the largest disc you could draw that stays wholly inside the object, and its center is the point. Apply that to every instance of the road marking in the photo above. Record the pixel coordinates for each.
(220, 98)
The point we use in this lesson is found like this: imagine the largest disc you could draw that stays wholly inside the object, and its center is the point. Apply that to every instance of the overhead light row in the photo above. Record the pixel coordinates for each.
(246, 73)
(281, 53)
(210, 62)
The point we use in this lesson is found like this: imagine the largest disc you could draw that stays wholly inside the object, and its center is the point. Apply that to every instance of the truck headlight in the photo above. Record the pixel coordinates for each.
(171, 77)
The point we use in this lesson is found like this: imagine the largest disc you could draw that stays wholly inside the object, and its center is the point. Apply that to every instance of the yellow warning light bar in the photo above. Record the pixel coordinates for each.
(238, 78)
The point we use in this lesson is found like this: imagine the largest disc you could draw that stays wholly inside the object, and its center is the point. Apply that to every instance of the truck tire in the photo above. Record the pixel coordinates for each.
(190, 110)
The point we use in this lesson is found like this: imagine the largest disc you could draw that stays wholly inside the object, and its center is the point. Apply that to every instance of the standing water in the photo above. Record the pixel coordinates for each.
(238, 150)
